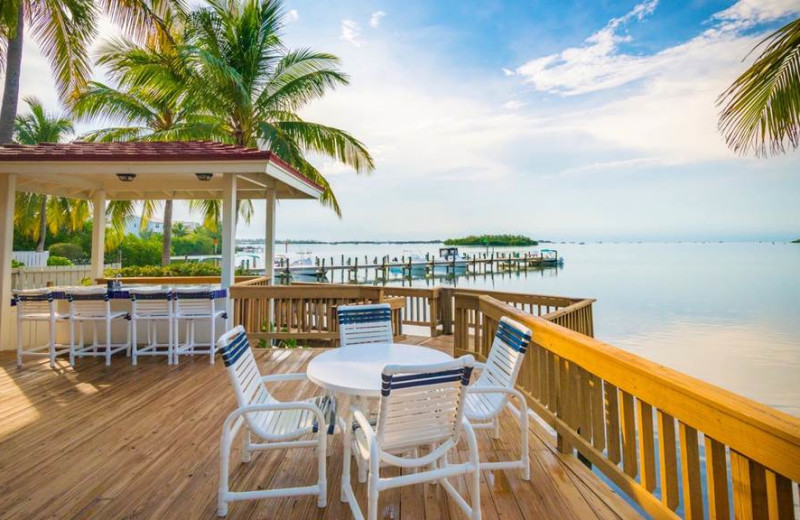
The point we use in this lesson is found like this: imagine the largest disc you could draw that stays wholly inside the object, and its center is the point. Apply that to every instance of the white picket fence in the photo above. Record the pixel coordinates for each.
(36, 277)
(31, 258)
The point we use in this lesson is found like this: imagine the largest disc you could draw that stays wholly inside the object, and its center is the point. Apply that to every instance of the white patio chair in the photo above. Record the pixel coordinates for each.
(276, 424)
(37, 306)
(92, 305)
(495, 386)
(365, 324)
(421, 406)
(193, 306)
(151, 306)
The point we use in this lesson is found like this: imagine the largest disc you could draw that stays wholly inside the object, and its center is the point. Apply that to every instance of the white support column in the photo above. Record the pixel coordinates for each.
(269, 237)
(98, 234)
(8, 187)
(228, 231)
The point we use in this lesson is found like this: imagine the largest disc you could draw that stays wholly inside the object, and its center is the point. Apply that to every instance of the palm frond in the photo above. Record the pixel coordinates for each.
(64, 30)
(40, 126)
(329, 141)
(761, 110)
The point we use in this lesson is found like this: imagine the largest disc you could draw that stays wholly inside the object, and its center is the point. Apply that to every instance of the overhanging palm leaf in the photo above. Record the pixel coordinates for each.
(762, 107)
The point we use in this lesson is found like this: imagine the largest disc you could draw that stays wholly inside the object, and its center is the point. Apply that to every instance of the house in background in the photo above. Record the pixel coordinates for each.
(154, 226)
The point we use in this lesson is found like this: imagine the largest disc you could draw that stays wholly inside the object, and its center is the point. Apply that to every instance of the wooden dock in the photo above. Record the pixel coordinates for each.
(351, 269)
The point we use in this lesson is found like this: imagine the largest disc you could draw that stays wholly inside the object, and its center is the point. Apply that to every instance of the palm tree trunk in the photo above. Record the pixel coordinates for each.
(42, 225)
(166, 248)
(8, 112)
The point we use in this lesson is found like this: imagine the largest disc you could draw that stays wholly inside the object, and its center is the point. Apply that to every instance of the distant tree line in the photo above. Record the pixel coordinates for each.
(492, 240)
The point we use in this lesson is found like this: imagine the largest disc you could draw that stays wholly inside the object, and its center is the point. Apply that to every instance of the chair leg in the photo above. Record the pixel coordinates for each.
(19, 343)
(108, 342)
(526, 461)
(170, 343)
(224, 469)
(134, 345)
(496, 428)
(246, 441)
(322, 482)
(347, 445)
(372, 489)
(475, 475)
(52, 339)
(212, 340)
(72, 343)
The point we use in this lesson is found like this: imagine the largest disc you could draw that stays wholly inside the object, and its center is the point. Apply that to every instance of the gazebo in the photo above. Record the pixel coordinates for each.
(145, 171)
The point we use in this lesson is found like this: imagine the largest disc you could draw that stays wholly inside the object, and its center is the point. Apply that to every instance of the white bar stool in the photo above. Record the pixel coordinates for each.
(92, 305)
(195, 305)
(151, 305)
(38, 306)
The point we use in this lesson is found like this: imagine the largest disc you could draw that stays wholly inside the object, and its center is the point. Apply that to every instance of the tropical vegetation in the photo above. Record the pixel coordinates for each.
(761, 109)
(492, 240)
(173, 269)
(64, 31)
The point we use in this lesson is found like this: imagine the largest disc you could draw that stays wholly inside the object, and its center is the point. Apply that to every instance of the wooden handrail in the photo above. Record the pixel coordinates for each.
(176, 280)
(598, 398)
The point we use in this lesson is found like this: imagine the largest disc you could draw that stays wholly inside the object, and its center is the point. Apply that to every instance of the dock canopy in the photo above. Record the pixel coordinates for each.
(145, 171)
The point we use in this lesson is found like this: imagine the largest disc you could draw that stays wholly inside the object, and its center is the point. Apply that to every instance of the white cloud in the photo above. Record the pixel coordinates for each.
(291, 16)
(594, 66)
(747, 13)
(508, 72)
(375, 19)
(350, 32)
(514, 104)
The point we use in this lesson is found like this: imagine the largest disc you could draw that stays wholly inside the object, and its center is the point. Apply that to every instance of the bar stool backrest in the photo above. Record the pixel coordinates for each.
(88, 301)
(195, 301)
(34, 301)
(150, 301)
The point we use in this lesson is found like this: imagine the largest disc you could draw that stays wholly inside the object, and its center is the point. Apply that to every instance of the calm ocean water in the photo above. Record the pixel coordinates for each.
(727, 313)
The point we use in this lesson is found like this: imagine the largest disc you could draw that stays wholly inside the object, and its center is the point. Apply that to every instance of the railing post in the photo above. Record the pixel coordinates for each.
(446, 307)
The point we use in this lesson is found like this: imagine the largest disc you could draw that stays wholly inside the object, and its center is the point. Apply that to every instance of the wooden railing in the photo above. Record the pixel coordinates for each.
(302, 312)
(182, 280)
(646, 427)
(433, 307)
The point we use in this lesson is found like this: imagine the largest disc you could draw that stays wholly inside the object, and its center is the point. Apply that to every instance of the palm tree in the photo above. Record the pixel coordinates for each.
(251, 87)
(762, 107)
(157, 109)
(35, 213)
(64, 30)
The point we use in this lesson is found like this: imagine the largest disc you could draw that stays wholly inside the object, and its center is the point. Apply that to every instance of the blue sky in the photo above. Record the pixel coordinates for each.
(561, 120)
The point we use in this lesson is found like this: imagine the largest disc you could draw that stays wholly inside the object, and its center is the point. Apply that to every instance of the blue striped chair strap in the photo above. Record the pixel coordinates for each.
(234, 350)
(393, 382)
(348, 316)
(165, 295)
(513, 337)
(47, 297)
(87, 297)
(328, 406)
(199, 295)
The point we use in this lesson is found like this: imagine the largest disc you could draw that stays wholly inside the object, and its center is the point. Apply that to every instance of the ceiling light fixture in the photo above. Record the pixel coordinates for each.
(204, 176)
(126, 177)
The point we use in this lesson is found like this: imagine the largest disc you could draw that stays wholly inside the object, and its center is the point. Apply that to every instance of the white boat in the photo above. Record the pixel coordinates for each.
(450, 261)
(413, 261)
(304, 266)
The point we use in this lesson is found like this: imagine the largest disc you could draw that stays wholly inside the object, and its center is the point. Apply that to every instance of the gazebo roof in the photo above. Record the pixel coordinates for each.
(163, 170)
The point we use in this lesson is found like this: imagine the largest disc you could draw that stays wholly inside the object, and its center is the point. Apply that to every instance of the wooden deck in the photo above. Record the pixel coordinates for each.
(142, 442)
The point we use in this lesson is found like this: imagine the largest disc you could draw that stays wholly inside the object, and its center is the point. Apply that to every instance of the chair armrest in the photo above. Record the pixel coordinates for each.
(271, 407)
(511, 392)
(277, 378)
(364, 424)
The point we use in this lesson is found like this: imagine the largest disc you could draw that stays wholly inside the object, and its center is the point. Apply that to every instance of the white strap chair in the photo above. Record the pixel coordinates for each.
(495, 386)
(278, 425)
(37, 306)
(195, 305)
(420, 406)
(93, 305)
(360, 324)
(151, 305)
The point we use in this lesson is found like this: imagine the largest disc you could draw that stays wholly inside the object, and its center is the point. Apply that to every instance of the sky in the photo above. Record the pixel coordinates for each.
(561, 120)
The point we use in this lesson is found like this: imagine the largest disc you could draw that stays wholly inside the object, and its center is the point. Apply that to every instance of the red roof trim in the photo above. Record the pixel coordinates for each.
(146, 151)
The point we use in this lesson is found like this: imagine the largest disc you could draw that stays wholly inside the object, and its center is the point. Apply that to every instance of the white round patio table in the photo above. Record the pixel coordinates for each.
(355, 373)
(356, 370)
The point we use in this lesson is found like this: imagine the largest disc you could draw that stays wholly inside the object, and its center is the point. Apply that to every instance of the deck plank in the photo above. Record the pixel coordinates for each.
(123, 441)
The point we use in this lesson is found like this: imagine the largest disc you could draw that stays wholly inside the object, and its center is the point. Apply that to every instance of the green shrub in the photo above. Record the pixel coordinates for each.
(173, 269)
(58, 260)
(70, 251)
(16, 263)
(145, 251)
